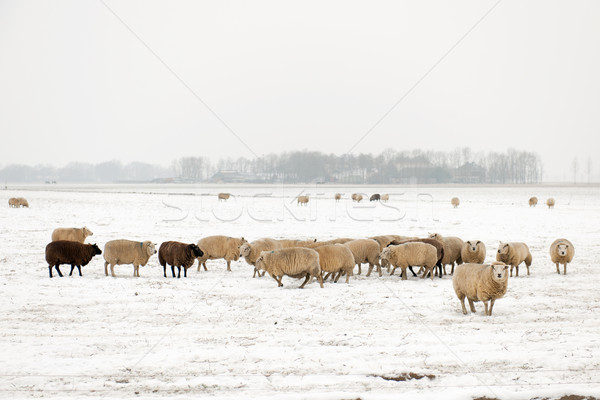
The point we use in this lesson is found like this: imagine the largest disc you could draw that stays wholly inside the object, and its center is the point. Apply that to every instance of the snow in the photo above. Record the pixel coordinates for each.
(226, 335)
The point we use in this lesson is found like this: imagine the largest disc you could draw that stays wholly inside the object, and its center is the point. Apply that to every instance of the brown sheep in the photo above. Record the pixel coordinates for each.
(439, 246)
(338, 197)
(302, 200)
(533, 201)
(224, 196)
(375, 197)
(357, 197)
(69, 252)
(178, 255)
(452, 248)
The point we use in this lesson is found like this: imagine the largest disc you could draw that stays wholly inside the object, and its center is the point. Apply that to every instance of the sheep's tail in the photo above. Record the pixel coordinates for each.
(528, 260)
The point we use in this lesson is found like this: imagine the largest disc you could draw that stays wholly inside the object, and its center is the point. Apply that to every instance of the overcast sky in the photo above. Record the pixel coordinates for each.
(76, 84)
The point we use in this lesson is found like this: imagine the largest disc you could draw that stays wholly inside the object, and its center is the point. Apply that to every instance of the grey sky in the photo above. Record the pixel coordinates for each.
(75, 84)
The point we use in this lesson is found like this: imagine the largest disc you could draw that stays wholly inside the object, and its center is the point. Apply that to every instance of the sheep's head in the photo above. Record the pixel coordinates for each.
(195, 250)
(96, 249)
(499, 272)
(149, 247)
(87, 232)
(384, 257)
(435, 236)
(503, 248)
(473, 245)
(562, 249)
(260, 261)
(245, 249)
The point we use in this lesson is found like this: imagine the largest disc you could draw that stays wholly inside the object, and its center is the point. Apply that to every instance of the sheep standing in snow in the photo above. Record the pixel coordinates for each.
(410, 254)
(17, 202)
(73, 234)
(480, 282)
(119, 252)
(365, 251)
(533, 201)
(375, 197)
(452, 248)
(385, 197)
(336, 259)
(514, 254)
(223, 196)
(338, 197)
(439, 246)
(455, 202)
(357, 197)
(550, 202)
(178, 255)
(473, 251)
(562, 252)
(302, 200)
(296, 262)
(251, 251)
(69, 252)
(218, 246)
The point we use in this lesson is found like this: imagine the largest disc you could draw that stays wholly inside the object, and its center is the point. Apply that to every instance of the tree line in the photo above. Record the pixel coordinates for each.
(461, 165)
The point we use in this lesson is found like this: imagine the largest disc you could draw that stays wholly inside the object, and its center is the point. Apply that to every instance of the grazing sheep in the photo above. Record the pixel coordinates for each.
(224, 196)
(119, 252)
(439, 247)
(562, 252)
(375, 197)
(297, 262)
(514, 254)
(251, 251)
(357, 197)
(410, 254)
(73, 234)
(385, 197)
(69, 252)
(302, 200)
(23, 202)
(473, 251)
(533, 201)
(215, 247)
(338, 196)
(452, 249)
(178, 255)
(480, 282)
(336, 258)
(455, 202)
(16, 202)
(365, 251)
(550, 202)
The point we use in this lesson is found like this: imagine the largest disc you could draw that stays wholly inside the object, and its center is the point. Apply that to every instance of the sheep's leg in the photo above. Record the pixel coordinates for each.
(184, 272)
(413, 272)
(404, 276)
(58, 270)
(393, 269)
(50, 270)
(79, 269)
(320, 279)
(472, 305)
(527, 266)
(72, 268)
(565, 269)
(445, 270)
(452, 270)
(516, 270)
(106, 268)
(112, 271)
(173, 270)
(228, 265)
(359, 265)
(165, 270)
(206, 269)
(306, 280)
(136, 270)
(511, 268)
(379, 270)
(492, 301)
(337, 277)
(327, 275)
(348, 276)
(370, 269)
(558, 268)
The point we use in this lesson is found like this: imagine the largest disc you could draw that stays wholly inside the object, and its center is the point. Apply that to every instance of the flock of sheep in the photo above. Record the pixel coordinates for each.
(320, 260)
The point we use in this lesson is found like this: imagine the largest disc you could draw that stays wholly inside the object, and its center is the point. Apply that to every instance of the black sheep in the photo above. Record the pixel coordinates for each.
(375, 197)
(178, 255)
(69, 252)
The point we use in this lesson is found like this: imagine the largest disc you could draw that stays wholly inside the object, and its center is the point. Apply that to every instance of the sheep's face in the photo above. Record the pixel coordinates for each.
(384, 257)
(435, 236)
(473, 245)
(245, 250)
(260, 262)
(96, 249)
(562, 249)
(87, 232)
(500, 272)
(196, 250)
(503, 248)
(150, 248)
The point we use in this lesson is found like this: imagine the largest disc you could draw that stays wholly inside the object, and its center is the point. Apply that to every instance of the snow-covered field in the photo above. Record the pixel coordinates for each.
(224, 334)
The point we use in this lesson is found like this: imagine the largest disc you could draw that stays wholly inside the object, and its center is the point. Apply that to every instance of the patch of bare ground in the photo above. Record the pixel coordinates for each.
(407, 376)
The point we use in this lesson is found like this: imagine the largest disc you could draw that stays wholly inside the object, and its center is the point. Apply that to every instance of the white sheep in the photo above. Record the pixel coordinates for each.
(302, 200)
(338, 197)
(385, 197)
(218, 246)
(357, 197)
(455, 202)
(562, 252)
(550, 202)
(410, 255)
(17, 202)
(365, 251)
(533, 201)
(480, 282)
(223, 196)
(296, 262)
(251, 251)
(473, 251)
(73, 234)
(514, 254)
(122, 251)
(452, 249)
(336, 258)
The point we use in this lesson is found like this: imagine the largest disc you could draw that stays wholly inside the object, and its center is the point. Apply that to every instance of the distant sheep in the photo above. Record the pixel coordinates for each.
(550, 202)
(473, 251)
(452, 248)
(357, 197)
(119, 252)
(69, 252)
(385, 197)
(480, 282)
(375, 197)
(455, 202)
(533, 201)
(302, 200)
(224, 196)
(439, 247)
(297, 262)
(338, 196)
(251, 251)
(216, 247)
(514, 254)
(73, 234)
(365, 251)
(562, 252)
(17, 202)
(336, 259)
(178, 255)
(410, 254)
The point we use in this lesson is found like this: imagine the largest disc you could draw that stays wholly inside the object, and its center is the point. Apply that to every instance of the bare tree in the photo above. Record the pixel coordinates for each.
(574, 168)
